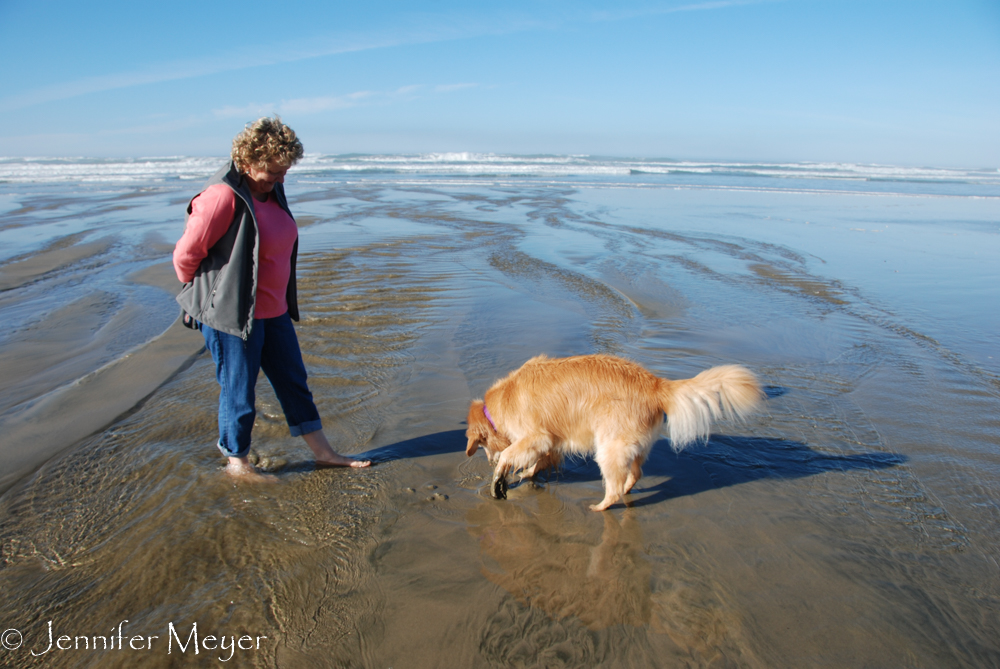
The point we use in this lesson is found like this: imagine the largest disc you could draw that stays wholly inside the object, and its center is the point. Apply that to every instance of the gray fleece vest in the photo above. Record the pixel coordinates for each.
(223, 293)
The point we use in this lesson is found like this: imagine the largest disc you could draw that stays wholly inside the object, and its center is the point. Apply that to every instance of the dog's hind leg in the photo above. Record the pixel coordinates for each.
(616, 470)
(634, 473)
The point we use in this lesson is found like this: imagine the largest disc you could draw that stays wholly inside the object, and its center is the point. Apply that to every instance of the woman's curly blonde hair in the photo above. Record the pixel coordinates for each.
(267, 140)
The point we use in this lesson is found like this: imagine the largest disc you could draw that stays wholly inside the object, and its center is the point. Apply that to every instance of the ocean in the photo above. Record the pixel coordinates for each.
(854, 521)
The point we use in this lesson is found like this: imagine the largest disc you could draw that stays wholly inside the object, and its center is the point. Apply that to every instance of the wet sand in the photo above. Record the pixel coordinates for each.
(52, 365)
(854, 522)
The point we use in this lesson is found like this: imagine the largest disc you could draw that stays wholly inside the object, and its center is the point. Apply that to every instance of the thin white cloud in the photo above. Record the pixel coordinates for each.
(251, 110)
(448, 88)
(187, 69)
(426, 29)
(711, 5)
(408, 90)
(326, 103)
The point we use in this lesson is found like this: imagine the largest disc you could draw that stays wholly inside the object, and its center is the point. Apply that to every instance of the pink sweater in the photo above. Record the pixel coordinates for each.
(211, 215)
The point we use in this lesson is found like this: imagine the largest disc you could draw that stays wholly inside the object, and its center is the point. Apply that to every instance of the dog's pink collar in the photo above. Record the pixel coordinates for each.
(486, 412)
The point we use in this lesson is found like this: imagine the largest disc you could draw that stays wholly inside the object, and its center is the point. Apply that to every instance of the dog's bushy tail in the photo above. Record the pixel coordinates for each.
(727, 391)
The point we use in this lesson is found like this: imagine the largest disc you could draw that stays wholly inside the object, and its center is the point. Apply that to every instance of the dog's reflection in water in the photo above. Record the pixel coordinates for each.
(559, 560)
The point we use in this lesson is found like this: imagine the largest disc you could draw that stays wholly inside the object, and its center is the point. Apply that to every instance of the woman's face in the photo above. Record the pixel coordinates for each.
(262, 179)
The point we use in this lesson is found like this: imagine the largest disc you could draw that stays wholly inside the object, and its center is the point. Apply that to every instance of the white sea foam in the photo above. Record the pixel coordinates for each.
(106, 170)
(562, 166)
(500, 166)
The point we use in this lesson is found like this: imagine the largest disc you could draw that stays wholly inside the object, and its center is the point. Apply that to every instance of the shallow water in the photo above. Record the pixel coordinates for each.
(854, 521)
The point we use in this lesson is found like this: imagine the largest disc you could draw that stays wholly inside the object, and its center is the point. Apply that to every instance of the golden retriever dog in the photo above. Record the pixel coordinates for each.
(598, 405)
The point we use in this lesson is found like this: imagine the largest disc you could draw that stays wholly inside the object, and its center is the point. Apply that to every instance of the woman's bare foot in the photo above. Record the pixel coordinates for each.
(340, 461)
(326, 456)
(241, 470)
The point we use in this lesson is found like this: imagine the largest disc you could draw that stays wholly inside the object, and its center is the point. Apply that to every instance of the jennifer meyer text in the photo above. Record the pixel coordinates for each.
(175, 639)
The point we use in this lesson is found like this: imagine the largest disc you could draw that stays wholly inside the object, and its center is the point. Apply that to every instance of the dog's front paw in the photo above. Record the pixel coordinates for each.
(499, 487)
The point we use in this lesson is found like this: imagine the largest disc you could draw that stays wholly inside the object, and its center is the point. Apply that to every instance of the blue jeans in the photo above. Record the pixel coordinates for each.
(273, 347)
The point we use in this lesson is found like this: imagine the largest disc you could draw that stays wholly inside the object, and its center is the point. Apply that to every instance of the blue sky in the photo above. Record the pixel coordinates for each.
(909, 83)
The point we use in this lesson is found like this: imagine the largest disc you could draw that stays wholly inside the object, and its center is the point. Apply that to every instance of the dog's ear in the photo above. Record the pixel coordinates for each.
(475, 432)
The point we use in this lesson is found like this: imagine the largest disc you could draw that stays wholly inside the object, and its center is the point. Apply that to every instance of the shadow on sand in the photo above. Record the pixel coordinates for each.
(721, 462)
(726, 461)
(439, 443)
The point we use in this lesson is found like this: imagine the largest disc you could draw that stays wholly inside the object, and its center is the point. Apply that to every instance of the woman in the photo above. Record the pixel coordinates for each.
(236, 259)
